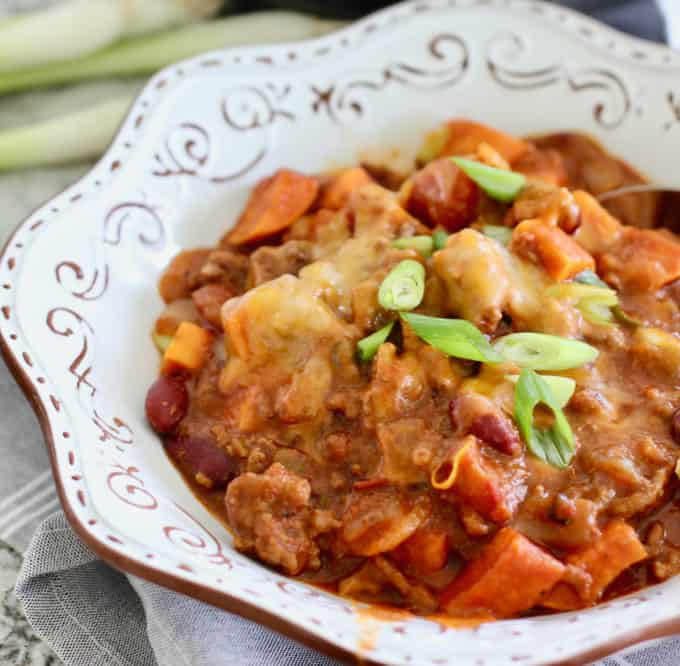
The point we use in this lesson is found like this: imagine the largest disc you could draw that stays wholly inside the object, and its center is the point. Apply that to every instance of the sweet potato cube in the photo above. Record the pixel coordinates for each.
(557, 252)
(617, 548)
(336, 192)
(273, 206)
(509, 577)
(308, 226)
(642, 258)
(465, 136)
(476, 481)
(188, 350)
(598, 230)
(545, 165)
(426, 551)
(647, 258)
(563, 597)
(481, 486)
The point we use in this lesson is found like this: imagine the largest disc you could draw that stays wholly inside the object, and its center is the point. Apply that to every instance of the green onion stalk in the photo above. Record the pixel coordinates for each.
(75, 28)
(145, 55)
(78, 136)
(85, 134)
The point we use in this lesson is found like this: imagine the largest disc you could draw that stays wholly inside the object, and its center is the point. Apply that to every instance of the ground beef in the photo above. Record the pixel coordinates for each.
(227, 268)
(270, 514)
(267, 263)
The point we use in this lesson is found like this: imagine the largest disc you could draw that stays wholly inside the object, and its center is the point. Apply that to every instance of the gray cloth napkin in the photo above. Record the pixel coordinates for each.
(94, 615)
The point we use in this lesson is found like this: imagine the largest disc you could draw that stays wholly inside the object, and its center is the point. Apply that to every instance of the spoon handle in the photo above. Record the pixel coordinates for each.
(635, 189)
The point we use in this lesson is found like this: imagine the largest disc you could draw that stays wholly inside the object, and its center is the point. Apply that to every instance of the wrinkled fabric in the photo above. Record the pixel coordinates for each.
(93, 615)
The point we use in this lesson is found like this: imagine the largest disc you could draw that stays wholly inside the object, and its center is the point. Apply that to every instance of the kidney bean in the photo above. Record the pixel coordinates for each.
(496, 431)
(202, 459)
(443, 195)
(166, 404)
(476, 415)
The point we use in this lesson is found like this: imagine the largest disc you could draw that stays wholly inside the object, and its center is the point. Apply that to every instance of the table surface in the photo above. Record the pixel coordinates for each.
(20, 194)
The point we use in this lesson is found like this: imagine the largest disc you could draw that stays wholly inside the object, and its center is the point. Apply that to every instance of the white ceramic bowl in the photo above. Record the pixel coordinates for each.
(78, 278)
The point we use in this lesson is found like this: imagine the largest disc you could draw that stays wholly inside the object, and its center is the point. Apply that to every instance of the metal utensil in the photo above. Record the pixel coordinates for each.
(636, 189)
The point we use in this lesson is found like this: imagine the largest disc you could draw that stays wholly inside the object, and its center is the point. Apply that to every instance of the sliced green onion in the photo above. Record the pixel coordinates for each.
(368, 346)
(404, 286)
(578, 292)
(162, 342)
(498, 233)
(591, 278)
(422, 244)
(540, 351)
(562, 387)
(499, 184)
(439, 239)
(455, 337)
(596, 312)
(553, 445)
(624, 318)
(592, 297)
